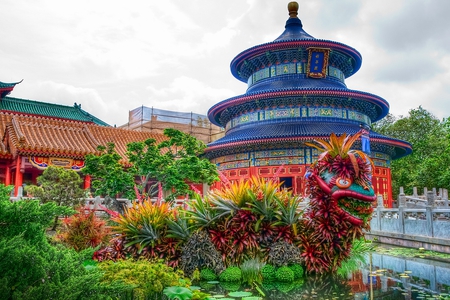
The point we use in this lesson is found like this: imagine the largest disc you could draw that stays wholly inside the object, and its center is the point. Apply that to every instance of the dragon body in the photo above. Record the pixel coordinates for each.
(341, 197)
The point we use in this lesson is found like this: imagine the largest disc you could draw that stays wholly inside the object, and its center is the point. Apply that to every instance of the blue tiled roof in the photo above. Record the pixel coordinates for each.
(278, 132)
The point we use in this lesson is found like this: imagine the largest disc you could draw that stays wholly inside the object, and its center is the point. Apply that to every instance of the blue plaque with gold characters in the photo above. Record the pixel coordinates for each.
(317, 62)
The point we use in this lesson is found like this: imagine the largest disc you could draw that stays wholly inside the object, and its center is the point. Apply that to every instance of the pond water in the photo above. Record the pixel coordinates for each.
(384, 277)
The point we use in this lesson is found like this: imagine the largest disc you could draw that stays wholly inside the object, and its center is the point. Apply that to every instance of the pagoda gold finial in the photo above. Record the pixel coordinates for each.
(293, 9)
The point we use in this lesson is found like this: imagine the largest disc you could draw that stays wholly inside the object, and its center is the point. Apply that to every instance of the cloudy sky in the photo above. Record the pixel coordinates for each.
(113, 56)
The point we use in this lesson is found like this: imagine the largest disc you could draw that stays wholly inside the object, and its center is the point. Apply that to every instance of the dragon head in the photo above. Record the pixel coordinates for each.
(345, 176)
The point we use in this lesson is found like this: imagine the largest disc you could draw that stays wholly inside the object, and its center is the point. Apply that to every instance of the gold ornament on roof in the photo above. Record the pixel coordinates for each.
(293, 9)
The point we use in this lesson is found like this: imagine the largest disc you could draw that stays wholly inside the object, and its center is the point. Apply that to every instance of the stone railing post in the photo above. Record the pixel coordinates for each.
(429, 213)
(401, 198)
(431, 199)
(445, 197)
(425, 191)
(415, 192)
(380, 206)
(401, 219)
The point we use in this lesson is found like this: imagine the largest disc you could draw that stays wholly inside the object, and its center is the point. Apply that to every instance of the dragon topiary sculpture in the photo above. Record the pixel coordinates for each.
(341, 197)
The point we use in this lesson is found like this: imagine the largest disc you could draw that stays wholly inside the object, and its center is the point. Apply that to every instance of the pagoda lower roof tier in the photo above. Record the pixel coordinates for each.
(371, 105)
(275, 135)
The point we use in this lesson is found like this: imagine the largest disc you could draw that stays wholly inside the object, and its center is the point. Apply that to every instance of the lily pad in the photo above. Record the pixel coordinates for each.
(239, 294)
(252, 298)
(194, 287)
(213, 282)
(178, 292)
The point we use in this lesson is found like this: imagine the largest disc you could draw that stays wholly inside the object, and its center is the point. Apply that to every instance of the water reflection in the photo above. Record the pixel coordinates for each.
(384, 277)
(404, 278)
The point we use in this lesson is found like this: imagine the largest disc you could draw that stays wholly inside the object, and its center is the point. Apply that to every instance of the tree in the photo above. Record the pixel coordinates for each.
(429, 138)
(175, 162)
(58, 185)
(111, 179)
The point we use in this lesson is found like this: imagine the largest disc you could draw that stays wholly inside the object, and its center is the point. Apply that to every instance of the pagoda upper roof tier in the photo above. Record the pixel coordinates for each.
(36, 108)
(42, 136)
(291, 46)
(373, 106)
(273, 135)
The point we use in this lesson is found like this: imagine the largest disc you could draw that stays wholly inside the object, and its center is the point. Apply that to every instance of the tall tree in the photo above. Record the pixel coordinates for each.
(429, 137)
(175, 162)
(110, 177)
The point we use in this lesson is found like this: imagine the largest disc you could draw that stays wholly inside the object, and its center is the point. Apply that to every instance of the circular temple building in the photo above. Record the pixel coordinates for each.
(296, 93)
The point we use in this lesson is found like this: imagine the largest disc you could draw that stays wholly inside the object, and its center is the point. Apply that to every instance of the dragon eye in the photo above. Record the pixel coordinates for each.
(343, 182)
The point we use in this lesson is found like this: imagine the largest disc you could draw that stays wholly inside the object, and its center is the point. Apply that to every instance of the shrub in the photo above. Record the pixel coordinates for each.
(297, 269)
(84, 230)
(147, 278)
(198, 253)
(268, 272)
(231, 274)
(283, 253)
(284, 274)
(208, 274)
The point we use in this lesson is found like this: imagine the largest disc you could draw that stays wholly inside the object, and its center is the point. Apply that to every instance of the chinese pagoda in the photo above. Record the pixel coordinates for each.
(296, 93)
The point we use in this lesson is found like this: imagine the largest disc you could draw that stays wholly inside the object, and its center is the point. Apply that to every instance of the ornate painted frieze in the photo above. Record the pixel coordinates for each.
(298, 112)
(291, 68)
(42, 163)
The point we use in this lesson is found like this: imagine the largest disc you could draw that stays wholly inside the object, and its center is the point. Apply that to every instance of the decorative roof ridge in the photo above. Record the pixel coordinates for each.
(9, 83)
(44, 117)
(92, 140)
(16, 126)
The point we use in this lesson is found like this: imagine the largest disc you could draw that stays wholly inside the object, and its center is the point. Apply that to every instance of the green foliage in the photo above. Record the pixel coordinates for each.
(109, 176)
(430, 140)
(147, 278)
(42, 271)
(174, 162)
(59, 185)
(231, 274)
(268, 272)
(251, 271)
(284, 274)
(298, 270)
(27, 218)
(84, 230)
(207, 274)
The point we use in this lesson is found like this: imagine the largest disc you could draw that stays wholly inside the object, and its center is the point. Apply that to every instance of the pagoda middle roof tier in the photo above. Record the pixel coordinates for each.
(343, 57)
(276, 134)
(373, 106)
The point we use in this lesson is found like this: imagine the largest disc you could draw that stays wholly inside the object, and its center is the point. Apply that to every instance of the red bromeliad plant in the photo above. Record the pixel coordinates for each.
(84, 229)
(341, 197)
(245, 218)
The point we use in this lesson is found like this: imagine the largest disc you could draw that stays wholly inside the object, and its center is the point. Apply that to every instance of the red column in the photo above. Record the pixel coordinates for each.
(87, 182)
(8, 175)
(19, 176)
